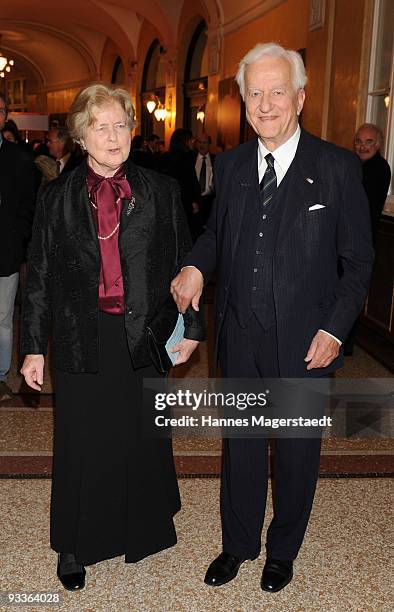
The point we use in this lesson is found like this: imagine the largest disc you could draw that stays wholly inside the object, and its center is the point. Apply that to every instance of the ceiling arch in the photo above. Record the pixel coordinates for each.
(66, 43)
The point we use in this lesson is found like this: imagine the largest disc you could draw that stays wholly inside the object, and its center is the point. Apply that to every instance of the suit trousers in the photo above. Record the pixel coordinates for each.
(251, 352)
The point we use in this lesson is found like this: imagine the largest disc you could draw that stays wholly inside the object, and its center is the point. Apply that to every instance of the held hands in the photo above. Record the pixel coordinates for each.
(33, 371)
(186, 348)
(322, 351)
(187, 288)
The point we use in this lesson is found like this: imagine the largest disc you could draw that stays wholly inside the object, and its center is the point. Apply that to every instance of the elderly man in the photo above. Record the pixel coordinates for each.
(376, 171)
(19, 181)
(288, 207)
(60, 148)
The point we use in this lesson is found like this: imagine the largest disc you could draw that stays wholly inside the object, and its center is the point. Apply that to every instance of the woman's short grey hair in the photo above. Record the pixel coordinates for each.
(99, 95)
(261, 50)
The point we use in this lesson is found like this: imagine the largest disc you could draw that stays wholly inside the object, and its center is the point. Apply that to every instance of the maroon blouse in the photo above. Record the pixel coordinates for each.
(105, 196)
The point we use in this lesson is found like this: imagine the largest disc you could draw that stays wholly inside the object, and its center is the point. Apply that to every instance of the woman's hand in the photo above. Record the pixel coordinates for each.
(33, 371)
(185, 348)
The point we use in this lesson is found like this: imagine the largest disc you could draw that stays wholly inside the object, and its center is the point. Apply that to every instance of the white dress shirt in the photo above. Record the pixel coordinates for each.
(283, 156)
(63, 160)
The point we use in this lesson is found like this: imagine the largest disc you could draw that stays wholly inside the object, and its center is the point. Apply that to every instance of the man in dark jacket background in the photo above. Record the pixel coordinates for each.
(19, 181)
(376, 171)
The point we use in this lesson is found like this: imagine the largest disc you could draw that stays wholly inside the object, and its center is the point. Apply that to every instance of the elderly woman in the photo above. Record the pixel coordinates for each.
(107, 239)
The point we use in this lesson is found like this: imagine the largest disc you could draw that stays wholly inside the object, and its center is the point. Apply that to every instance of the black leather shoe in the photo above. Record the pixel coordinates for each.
(276, 575)
(223, 569)
(70, 573)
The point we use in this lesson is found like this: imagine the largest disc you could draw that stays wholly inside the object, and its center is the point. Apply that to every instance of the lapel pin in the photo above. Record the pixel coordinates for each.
(309, 180)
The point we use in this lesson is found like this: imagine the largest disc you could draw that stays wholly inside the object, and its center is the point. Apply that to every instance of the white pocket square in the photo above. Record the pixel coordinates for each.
(316, 207)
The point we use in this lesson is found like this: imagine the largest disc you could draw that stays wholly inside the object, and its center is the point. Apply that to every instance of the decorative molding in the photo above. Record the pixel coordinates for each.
(131, 68)
(328, 71)
(171, 65)
(256, 11)
(65, 86)
(214, 46)
(366, 50)
(316, 14)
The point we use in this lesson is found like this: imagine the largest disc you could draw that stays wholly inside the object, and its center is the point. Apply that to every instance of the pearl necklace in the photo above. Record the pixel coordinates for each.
(113, 231)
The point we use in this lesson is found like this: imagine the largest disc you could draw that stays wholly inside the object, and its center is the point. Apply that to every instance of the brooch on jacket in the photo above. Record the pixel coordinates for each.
(130, 205)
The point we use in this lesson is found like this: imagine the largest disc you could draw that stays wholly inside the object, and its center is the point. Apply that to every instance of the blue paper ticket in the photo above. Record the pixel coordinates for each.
(176, 336)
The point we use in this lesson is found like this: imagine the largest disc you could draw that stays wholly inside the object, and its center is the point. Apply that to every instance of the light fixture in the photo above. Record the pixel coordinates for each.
(160, 112)
(5, 64)
(151, 105)
(200, 114)
(386, 101)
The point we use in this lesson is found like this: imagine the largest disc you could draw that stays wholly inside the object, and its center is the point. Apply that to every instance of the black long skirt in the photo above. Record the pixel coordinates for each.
(114, 492)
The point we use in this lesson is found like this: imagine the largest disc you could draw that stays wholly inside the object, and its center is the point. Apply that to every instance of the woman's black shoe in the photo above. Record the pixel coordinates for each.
(70, 573)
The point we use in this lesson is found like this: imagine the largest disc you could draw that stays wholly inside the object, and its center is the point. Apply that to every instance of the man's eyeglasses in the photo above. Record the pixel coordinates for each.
(3, 111)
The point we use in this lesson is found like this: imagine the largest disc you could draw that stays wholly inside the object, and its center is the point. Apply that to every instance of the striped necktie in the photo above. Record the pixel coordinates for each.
(268, 182)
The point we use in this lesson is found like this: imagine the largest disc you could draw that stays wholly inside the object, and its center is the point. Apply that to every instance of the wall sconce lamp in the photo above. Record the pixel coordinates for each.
(151, 105)
(159, 110)
(201, 114)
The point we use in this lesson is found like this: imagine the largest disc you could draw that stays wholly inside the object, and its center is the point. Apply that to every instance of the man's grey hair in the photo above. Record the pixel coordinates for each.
(261, 50)
(372, 126)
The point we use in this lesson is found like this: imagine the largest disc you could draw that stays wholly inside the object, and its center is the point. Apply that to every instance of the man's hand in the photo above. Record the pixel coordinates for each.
(33, 371)
(186, 348)
(187, 288)
(195, 208)
(322, 351)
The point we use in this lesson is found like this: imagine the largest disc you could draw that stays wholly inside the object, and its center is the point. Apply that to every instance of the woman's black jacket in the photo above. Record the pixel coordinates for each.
(64, 267)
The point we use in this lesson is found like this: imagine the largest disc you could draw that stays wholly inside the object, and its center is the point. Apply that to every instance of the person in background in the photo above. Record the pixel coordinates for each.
(152, 144)
(10, 132)
(45, 163)
(62, 149)
(179, 163)
(47, 166)
(40, 147)
(204, 164)
(139, 155)
(368, 141)
(19, 180)
(153, 151)
(107, 239)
